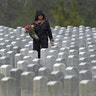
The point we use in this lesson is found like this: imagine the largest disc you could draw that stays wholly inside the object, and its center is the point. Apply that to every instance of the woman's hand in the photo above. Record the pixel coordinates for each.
(32, 36)
(32, 26)
(52, 42)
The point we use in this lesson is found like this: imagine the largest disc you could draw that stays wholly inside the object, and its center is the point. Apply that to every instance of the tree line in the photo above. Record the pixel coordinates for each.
(15, 13)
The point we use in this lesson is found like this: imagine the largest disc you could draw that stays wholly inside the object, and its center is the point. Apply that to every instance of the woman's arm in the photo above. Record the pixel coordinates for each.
(50, 34)
(49, 31)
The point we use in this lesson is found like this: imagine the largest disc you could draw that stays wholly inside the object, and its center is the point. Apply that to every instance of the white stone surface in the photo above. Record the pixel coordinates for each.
(8, 86)
(87, 88)
(27, 83)
(55, 88)
(71, 86)
(5, 69)
(22, 65)
(39, 86)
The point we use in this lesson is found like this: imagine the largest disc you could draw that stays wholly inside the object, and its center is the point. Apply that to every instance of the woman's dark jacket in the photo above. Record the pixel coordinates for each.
(44, 32)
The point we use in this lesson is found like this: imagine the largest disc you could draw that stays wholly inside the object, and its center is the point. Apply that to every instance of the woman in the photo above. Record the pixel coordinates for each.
(42, 29)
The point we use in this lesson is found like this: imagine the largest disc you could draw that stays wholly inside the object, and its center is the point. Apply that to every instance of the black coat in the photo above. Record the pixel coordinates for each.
(44, 32)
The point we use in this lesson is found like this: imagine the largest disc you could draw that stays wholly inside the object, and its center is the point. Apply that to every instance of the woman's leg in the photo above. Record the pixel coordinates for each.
(36, 46)
(39, 53)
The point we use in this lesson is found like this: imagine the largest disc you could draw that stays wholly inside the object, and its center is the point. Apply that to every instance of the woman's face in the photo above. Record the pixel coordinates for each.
(40, 17)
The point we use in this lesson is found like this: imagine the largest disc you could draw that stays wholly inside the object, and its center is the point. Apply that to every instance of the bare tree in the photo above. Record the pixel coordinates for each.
(6, 4)
(26, 3)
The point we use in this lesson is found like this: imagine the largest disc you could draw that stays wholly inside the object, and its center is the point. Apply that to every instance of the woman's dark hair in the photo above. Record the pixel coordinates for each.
(38, 13)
